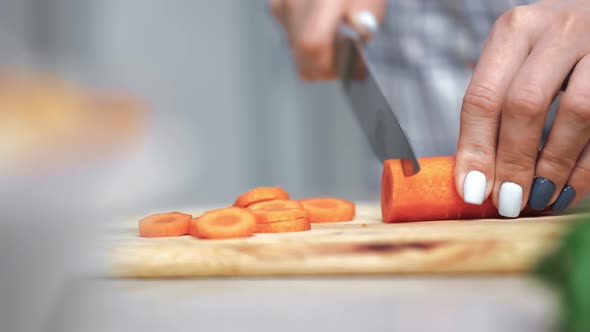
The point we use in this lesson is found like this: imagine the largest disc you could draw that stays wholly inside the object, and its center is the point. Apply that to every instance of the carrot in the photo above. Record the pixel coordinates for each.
(297, 225)
(192, 227)
(329, 209)
(429, 195)
(276, 204)
(260, 194)
(278, 215)
(165, 224)
(226, 223)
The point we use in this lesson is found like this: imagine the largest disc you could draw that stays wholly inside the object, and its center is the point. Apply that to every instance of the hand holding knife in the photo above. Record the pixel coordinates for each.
(378, 121)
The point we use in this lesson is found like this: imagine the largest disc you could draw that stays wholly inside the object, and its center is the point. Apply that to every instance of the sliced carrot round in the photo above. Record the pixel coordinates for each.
(226, 223)
(192, 228)
(278, 215)
(165, 224)
(260, 194)
(276, 204)
(329, 209)
(297, 225)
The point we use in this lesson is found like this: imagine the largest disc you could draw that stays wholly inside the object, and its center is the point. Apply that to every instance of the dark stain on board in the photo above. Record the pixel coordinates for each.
(396, 247)
(282, 252)
(379, 248)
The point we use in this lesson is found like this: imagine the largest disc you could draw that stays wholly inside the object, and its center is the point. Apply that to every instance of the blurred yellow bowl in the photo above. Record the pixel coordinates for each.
(46, 121)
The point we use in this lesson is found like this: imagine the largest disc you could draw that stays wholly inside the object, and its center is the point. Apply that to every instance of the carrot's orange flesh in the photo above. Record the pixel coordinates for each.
(226, 223)
(278, 215)
(260, 194)
(192, 228)
(165, 224)
(429, 195)
(329, 209)
(276, 204)
(297, 225)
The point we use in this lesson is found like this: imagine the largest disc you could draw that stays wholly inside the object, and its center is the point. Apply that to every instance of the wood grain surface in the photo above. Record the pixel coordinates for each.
(364, 246)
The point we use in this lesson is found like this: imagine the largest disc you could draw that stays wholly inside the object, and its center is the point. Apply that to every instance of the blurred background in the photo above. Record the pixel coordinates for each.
(203, 103)
(223, 108)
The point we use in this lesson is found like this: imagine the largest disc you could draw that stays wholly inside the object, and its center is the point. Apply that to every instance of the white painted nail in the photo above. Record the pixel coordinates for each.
(474, 187)
(368, 20)
(510, 200)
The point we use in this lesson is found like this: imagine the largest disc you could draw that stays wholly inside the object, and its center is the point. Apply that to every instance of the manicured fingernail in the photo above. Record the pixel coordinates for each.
(541, 193)
(474, 187)
(510, 200)
(368, 20)
(565, 199)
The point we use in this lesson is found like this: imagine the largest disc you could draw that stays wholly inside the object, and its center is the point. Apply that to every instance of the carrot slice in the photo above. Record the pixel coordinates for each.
(226, 223)
(297, 225)
(276, 204)
(329, 209)
(165, 224)
(260, 194)
(192, 227)
(429, 195)
(278, 215)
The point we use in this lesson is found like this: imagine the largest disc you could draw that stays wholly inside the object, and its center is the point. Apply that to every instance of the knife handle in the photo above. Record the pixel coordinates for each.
(355, 30)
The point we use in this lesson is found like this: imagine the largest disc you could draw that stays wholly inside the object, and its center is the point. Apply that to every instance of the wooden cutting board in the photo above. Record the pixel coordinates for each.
(361, 247)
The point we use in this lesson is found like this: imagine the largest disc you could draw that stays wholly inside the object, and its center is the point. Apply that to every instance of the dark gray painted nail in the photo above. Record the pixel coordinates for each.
(541, 193)
(565, 199)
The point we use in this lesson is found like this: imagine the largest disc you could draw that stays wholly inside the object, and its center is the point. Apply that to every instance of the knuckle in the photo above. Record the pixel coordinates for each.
(481, 99)
(555, 163)
(306, 74)
(516, 162)
(516, 17)
(578, 107)
(570, 22)
(477, 157)
(309, 46)
(583, 171)
(478, 152)
(527, 102)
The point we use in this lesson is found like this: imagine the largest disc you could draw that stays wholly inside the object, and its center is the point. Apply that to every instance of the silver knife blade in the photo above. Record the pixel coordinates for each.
(380, 124)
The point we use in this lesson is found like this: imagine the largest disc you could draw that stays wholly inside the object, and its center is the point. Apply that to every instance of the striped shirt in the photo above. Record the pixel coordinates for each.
(424, 55)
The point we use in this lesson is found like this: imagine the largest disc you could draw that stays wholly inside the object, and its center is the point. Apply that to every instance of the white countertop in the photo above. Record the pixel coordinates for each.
(360, 304)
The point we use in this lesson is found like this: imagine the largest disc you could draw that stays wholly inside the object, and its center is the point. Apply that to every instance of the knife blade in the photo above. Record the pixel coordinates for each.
(386, 136)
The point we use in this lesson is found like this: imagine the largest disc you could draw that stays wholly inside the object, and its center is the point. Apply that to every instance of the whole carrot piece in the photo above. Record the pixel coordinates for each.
(428, 195)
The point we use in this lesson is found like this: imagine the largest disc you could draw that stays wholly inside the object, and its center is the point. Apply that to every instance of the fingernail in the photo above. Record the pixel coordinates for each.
(565, 199)
(368, 20)
(474, 187)
(510, 200)
(541, 193)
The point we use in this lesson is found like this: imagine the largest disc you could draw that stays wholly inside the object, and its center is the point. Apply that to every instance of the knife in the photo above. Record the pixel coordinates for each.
(375, 115)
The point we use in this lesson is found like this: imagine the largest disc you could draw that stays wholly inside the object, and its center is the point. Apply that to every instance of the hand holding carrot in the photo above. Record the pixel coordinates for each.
(525, 60)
